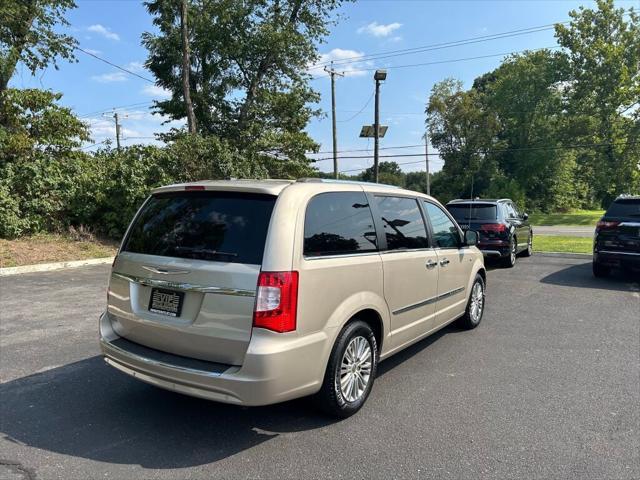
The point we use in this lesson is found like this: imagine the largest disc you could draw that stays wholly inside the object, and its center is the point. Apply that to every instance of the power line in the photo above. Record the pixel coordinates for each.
(442, 45)
(108, 110)
(559, 147)
(359, 111)
(116, 66)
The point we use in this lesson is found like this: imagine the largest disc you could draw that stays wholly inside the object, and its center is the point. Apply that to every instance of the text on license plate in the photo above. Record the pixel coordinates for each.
(166, 302)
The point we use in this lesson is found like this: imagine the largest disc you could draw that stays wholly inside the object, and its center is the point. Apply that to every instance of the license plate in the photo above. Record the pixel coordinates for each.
(166, 302)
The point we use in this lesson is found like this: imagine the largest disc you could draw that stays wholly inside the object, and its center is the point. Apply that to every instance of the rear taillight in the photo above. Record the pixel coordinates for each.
(276, 301)
(604, 225)
(493, 227)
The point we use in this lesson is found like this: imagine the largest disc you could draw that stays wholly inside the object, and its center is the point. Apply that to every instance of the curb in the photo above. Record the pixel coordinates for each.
(564, 254)
(46, 267)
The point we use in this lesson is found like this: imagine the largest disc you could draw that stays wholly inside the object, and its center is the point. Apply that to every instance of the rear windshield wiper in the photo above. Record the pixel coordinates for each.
(206, 251)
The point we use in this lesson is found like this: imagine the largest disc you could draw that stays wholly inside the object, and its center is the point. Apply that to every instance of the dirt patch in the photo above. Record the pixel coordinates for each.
(52, 248)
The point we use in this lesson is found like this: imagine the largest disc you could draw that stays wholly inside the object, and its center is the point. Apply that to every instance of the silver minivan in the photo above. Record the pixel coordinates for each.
(256, 292)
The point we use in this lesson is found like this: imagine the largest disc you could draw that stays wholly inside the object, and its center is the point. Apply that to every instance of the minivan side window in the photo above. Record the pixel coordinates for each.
(445, 233)
(339, 223)
(403, 223)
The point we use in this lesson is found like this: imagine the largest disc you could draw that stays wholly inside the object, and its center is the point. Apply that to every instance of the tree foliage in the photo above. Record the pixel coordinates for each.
(28, 34)
(555, 130)
(248, 76)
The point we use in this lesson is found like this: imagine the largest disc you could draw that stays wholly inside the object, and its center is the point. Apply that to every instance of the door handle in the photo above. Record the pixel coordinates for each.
(444, 262)
(431, 264)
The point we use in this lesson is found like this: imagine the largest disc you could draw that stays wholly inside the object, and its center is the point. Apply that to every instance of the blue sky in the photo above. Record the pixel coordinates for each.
(112, 29)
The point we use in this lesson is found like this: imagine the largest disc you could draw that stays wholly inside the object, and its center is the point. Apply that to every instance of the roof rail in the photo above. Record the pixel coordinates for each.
(348, 182)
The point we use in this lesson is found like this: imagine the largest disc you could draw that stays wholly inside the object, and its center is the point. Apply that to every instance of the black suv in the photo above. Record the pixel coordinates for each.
(503, 231)
(617, 238)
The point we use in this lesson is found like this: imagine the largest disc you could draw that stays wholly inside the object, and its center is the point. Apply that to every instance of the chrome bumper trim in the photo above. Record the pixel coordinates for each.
(613, 252)
(149, 282)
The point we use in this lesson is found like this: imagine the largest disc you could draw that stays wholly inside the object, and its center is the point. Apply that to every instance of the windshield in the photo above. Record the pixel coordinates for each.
(624, 208)
(473, 211)
(221, 226)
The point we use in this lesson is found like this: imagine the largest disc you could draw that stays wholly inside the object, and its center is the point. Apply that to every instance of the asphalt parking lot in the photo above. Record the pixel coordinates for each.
(547, 387)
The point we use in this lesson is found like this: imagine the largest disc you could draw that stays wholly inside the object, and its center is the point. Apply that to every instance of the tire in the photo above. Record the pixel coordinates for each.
(529, 251)
(600, 271)
(472, 318)
(510, 260)
(334, 398)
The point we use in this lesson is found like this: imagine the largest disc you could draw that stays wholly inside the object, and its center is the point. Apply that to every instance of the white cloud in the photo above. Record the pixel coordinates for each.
(351, 69)
(379, 30)
(104, 31)
(135, 66)
(110, 77)
(156, 91)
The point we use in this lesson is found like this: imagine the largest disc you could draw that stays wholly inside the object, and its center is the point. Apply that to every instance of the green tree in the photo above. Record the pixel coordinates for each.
(603, 48)
(388, 172)
(247, 76)
(39, 161)
(464, 133)
(28, 35)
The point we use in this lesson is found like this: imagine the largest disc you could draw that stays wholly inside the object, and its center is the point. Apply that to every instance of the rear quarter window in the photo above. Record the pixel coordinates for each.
(217, 226)
(339, 223)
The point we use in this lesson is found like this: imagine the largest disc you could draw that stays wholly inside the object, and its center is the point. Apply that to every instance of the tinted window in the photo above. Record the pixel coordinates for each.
(219, 226)
(624, 208)
(511, 213)
(445, 233)
(403, 223)
(472, 212)
(339, 223)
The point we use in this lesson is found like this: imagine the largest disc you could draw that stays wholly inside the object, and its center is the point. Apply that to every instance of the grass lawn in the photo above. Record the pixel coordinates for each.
(563, 244)
(576, 217)
(52, 248)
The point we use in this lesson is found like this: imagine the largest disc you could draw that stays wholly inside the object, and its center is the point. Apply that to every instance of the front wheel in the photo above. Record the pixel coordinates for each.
(350, 372)
(475, 306)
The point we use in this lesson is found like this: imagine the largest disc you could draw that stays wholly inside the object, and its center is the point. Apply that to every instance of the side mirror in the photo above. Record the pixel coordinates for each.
(471, 238)
(525, 216)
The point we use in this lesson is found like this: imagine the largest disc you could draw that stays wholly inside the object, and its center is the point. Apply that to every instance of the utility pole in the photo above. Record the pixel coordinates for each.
(115, 117)
(333, 74)
(426, 155)
(186, 67)
(379, 76)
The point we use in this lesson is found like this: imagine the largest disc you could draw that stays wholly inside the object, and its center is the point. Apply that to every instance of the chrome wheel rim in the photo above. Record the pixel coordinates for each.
(530, 246)
(477, 302)
(513, 251)
(355, 369)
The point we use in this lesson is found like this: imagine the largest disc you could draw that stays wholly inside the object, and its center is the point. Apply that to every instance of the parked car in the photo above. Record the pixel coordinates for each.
(257, 292)
(504, 232)
(617, 237)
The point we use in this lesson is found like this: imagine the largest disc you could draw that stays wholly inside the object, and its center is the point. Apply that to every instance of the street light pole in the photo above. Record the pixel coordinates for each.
(379, 76)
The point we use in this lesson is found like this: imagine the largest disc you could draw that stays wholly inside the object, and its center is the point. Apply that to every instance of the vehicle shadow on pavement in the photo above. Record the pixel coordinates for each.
(582, 277)
(86, 409)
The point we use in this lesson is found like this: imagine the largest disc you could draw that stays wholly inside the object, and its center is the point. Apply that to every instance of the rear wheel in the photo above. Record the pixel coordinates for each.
(510, 260)
(475, 306)
(600, 270)
(350, 372)
(529, 251)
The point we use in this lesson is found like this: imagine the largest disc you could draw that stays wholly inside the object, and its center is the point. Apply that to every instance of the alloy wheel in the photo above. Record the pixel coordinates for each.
(355, 369)
(477, 302)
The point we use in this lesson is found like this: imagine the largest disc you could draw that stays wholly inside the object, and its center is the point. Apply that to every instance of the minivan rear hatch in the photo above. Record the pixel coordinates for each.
(185, 278)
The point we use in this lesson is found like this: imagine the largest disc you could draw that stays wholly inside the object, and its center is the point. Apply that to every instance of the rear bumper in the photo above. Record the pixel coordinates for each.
(617, 258)
(494, 248)
(276, 368)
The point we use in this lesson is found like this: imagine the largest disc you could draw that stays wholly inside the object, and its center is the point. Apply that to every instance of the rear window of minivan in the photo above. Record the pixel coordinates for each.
(203, 225)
